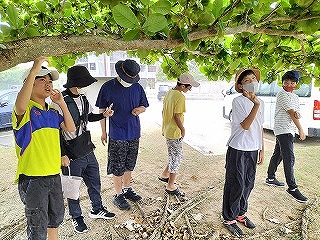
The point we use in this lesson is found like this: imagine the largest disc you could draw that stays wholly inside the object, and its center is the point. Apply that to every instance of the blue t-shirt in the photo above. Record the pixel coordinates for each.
(122, 125)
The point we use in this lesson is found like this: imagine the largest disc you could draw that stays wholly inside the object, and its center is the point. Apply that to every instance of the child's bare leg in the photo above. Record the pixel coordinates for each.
(52, 233)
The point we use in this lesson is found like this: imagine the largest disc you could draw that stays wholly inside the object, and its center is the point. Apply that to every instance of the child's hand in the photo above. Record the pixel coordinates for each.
(251, 96)
(56, 96)
(302, 136)
(36, 67)
(138, 110)
(297, 115)
(108, 112)
(65, 161)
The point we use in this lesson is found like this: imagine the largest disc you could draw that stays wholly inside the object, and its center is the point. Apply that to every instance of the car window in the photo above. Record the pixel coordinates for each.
(264, 89)
(9, 98)
(303, 91)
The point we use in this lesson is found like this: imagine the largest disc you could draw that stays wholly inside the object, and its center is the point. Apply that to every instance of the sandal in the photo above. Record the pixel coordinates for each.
(176, 192)
(166, 180)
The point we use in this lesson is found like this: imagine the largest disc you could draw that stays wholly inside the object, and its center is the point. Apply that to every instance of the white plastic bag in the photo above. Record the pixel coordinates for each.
(71, 185)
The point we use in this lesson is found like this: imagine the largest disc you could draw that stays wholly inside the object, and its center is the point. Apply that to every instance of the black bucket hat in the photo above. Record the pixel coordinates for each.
(79, 76)
(128, 70)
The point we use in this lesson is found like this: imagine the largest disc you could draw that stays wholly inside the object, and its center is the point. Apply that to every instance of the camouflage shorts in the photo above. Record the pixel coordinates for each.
(175, 154)
(122, 156)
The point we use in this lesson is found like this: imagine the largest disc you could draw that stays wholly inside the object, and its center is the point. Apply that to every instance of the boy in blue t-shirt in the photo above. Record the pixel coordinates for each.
(129, 101)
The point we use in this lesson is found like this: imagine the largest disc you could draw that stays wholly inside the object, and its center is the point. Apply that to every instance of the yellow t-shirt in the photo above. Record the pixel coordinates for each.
(37, 141)
(173, 102)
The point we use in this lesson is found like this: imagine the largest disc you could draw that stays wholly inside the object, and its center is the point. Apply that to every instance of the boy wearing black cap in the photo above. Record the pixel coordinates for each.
(36, 131)
(173, 129)
(285, 124)
(245, 150)
(77, 148)
(129, 101)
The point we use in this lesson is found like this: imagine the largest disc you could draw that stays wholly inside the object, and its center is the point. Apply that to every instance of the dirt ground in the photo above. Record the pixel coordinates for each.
(159, 216)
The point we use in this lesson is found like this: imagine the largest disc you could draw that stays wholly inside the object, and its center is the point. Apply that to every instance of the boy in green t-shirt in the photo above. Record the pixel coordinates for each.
(36, 132)
(173, 129)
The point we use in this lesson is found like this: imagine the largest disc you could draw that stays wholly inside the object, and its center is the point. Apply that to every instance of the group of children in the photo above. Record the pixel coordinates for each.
(41, 131)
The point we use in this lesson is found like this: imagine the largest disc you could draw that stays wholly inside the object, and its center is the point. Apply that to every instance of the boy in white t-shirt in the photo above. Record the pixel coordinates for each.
(286, 121)
(245, 150)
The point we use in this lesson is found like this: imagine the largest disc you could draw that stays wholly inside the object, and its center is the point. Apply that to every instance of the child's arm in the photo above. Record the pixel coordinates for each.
(296, 121)
(103, 127)
(68, 123)
(136, 111)
(177, 119)
(246, 123)
(24, 95)
(261, 152)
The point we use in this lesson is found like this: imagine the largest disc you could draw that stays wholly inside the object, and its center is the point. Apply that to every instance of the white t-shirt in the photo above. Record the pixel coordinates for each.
(241, 139)
(282, 120)
(71, 135)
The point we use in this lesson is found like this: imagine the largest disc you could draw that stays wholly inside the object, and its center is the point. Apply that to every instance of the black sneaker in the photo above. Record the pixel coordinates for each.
(79, 225)
(121, 202)
(245, 221)
(233, 228)
(102, 213)
(297, 195)
(274, 182)
(132, 195)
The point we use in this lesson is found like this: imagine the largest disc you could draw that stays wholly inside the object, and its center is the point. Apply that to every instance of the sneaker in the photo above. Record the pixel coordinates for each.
(79, 225)
(297, 195)
(121, 202)
(233, 227)
(245, 221)
(102, 213)
(132, 195)
(274, 182)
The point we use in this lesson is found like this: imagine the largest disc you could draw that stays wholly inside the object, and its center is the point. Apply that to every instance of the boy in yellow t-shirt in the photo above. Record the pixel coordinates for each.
(173, 129)
(36, 132)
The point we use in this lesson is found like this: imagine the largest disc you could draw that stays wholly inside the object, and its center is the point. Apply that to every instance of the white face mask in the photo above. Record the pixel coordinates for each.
(124, 83)
(251, 87)
(82, 90)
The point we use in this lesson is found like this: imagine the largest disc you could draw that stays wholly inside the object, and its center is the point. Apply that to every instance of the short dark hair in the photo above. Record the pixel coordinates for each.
(244, 74)
(290, 76)
(186, 85)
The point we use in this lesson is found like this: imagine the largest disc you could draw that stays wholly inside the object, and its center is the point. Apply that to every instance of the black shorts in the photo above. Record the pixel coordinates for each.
(122, 156)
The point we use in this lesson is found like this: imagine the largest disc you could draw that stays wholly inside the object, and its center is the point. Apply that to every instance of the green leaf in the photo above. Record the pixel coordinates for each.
(90, 25)
(184, 34)
(162, 6)
(32, 31)
(41, 6)
(131, 35)
(206, 18)
(217, 8)
(124, 16)
(145, 2)
(155, 23)
(13, 17)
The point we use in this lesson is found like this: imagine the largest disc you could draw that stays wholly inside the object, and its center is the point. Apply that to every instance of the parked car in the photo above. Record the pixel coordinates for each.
(163, 89)
(7, 100)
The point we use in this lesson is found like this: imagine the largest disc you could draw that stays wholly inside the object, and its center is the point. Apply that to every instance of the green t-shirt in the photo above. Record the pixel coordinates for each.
(173, 102)
(37, 141)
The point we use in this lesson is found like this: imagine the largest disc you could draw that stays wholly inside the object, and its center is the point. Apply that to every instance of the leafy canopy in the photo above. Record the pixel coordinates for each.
(220, 35)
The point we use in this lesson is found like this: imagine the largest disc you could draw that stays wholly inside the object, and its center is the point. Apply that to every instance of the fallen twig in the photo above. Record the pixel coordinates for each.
(305, 219)
(189, 227)
(264, 213)
(143, 214)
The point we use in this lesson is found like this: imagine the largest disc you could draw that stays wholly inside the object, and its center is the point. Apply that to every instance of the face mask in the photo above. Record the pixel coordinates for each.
(251, 87)
(288, 89)
(82, 90)
(124, 83)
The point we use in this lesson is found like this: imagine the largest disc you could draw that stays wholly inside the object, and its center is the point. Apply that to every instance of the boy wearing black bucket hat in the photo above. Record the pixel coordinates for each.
(285, 124)
(245, 150)
(77, 148)
(129, 101)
